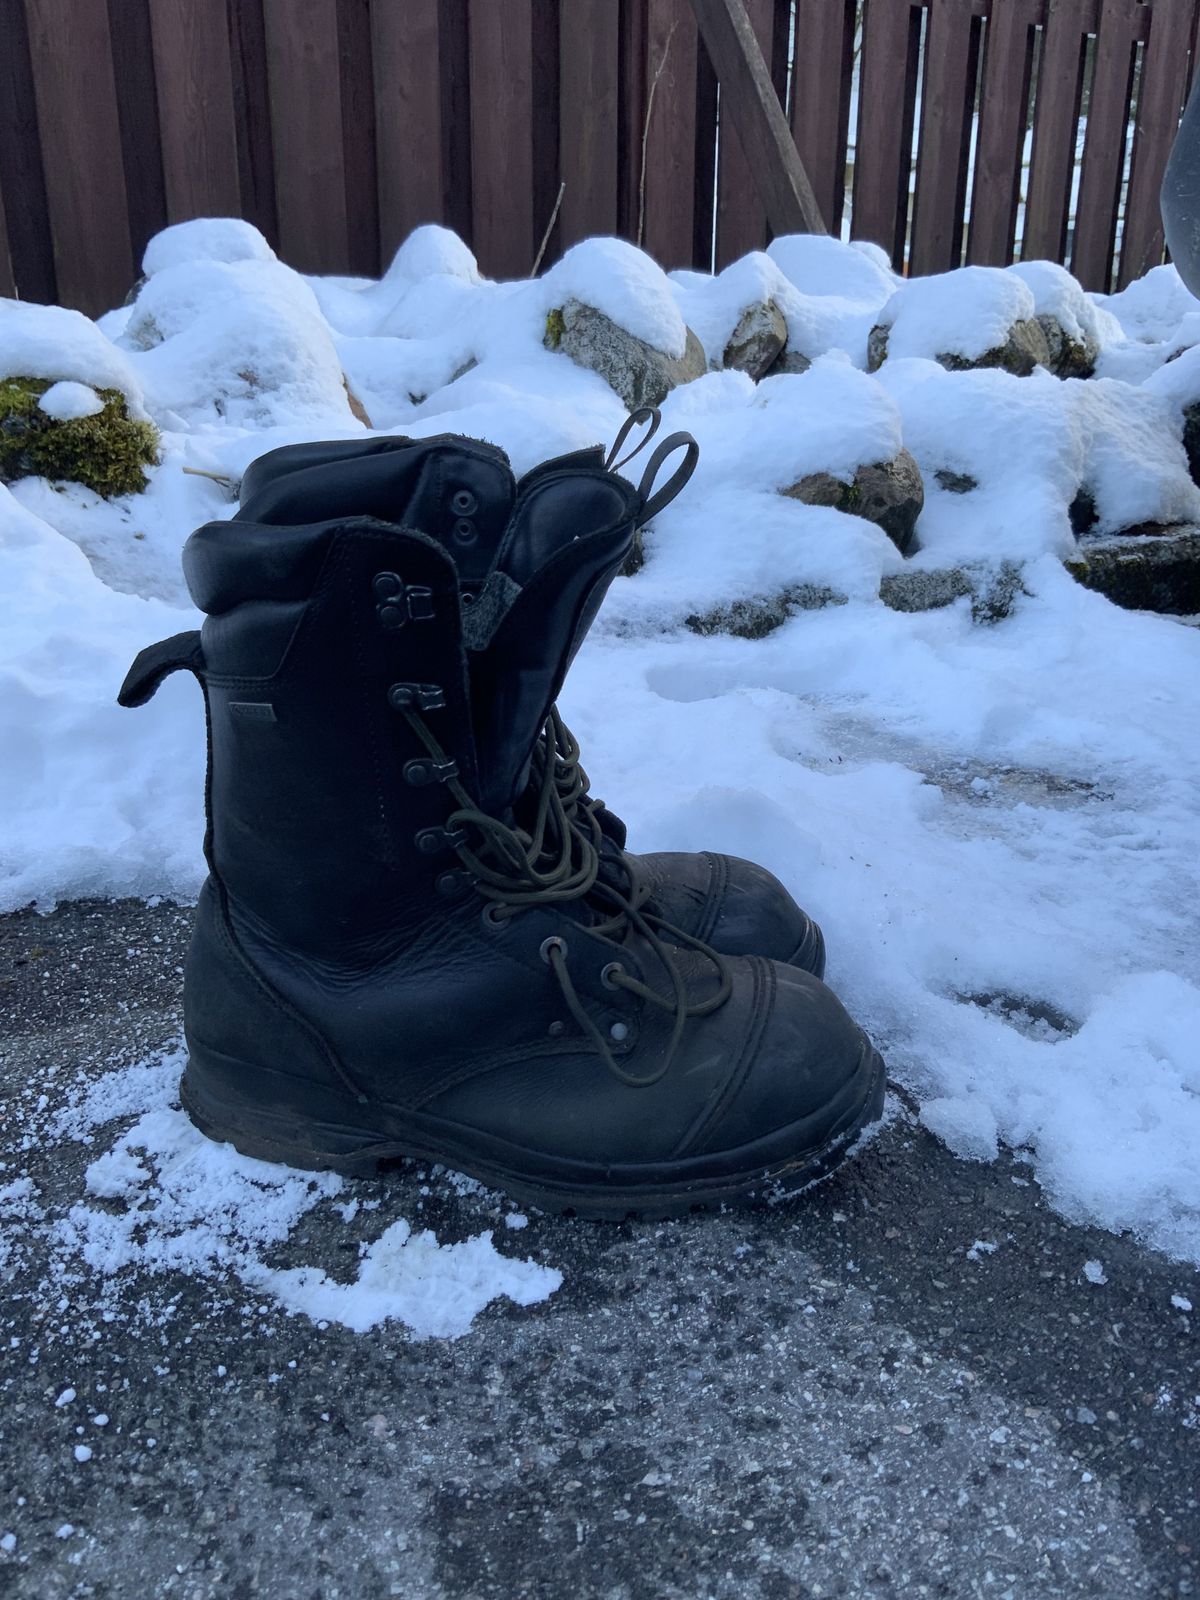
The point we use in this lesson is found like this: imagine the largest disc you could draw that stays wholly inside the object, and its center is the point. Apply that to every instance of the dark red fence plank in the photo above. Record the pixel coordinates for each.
(195, 108)
(358, 135)
(669, 136)
(71, 54)
(408, 118)
(1160, 104)
(8, 282)
(21, 177)
(881, 160)
(824, 60)
(252, 117)
(502, 111)
(306, 125)
(946, 94)
(1056, 120)
(1003, 105)
(741, 216)
(589, 90)
(1104, 147)
(137, 112)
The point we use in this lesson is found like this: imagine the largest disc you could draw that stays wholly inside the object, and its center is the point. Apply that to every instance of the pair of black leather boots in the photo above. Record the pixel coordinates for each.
(420, 935)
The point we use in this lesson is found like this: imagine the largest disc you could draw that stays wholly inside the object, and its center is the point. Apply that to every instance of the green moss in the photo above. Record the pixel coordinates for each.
(106, 452)
(555, 328)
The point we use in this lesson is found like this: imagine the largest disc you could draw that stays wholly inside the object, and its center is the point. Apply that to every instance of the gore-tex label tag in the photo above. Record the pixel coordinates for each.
(253, 710)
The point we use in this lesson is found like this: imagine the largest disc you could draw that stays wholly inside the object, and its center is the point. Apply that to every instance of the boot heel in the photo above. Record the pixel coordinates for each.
(321, 1136)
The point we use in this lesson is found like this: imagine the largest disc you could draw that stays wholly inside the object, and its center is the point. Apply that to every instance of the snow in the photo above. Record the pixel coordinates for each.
(1181, 1302)
(994, 825)
(164, 1199)
(205, 239)
(1094, 1272)
(1057, 294)
(627, 286)
(966, 312)
(66, 402)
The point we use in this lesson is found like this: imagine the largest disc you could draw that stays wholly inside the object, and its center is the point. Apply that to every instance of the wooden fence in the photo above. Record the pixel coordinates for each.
(946, 130)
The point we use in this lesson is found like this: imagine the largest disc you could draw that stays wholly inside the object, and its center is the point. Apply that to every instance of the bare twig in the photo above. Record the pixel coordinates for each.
(217, 477)
(662, 62)
(537, 260)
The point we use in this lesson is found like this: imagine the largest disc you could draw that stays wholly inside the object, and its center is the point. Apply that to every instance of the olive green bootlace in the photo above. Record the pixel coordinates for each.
(557, 860)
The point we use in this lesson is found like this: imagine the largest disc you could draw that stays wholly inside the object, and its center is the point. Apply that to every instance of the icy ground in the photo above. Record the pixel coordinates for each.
(996, 826)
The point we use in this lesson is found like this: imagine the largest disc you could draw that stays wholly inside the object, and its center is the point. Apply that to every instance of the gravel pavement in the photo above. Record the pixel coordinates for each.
(900, 1384)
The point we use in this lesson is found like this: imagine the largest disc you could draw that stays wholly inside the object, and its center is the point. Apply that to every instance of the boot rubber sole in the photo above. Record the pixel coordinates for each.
(650, 1192)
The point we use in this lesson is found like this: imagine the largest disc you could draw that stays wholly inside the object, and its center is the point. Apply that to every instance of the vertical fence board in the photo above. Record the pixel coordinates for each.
(945, 124)
(1160, 105)
(1104, 145)
(821, 98)
(1056, 118)
(408, 119)
(881, 160)
(501, 135)
(195, 108)
(252, 117)
(22, 180)
(1004, 101)
(672, 44)
(454, 73)
(306, 128)
(8, 282)
(71, 53)
(358, 136)
(741, 216)
(589, 66)
(129, 26)
(631, 113)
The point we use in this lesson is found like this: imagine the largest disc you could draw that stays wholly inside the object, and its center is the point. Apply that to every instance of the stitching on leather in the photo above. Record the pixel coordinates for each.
(763, 993)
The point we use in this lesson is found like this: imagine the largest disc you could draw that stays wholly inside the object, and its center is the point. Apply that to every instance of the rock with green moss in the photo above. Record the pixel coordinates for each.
(635, 370)
(1024, 349)
(992, 590)
(106, 451)
(756, 618)
(889, 493)
(1069, 356)
(1143, 572)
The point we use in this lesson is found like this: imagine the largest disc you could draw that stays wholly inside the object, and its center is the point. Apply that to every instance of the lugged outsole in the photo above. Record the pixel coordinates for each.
(651, 1202)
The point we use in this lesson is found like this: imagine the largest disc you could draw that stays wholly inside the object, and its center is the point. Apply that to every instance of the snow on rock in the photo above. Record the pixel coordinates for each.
(838, 291)
(623, 283)
(713, 306)
(205, 239)
(432, 251)
(1177, 382)
(56, 344)
(1151, 308)
(966, 315)
(1135, 467)
(1057, 294)
(180, 295)
(67, 401)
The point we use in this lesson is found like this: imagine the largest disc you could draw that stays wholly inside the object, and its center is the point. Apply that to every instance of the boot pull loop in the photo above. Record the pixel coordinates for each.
(652, 504)
(643, 414)
(180, 653)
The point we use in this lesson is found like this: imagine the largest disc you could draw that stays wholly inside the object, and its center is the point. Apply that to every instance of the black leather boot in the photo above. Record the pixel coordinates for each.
(387, 964)
(462, 492)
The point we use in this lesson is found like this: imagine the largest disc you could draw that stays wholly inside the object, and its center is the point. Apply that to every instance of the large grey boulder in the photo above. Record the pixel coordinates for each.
(889, 493)
(1143, 572)
(1024, 348)
(635, 370)
(757, 341)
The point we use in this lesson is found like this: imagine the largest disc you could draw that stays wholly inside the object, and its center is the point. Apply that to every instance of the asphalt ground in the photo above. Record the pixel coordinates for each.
(845, 1393)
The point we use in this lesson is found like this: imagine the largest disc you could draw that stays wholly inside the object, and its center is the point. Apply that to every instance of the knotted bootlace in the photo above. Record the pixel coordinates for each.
(556, 859)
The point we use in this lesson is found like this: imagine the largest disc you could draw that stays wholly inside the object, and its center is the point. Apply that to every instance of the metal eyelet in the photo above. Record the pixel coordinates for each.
(556, 1030)
(464, 531)
(463, 502)
(619, 1031)
(492, 916)
(608, 974)
(549, 945)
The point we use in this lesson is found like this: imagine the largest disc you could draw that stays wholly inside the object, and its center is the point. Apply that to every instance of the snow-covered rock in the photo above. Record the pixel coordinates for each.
(640, 373)
(971, 317)
(1074, 325)
(205, 239)
(887, 493)
(59, 345)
